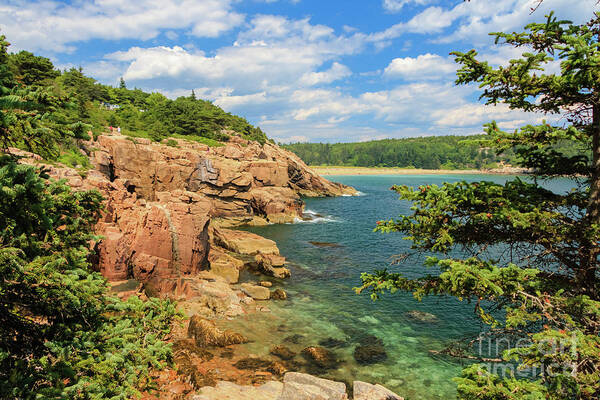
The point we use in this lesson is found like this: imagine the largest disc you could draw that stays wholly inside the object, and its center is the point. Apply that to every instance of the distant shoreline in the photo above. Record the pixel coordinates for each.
(340, 170)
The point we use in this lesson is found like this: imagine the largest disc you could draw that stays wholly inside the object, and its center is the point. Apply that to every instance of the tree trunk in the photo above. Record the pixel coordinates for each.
(586, 276)
(594, 202)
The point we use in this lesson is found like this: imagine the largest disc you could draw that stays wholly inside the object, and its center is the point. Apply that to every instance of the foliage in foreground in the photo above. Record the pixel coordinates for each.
(61, 334)
(533, 253)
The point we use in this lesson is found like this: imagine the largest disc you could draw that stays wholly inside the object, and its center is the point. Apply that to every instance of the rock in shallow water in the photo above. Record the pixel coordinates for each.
(370, 350)
(256, 292)
(283, 352)
(205, 333)
(320, 356)
(422, 316)
(279, 294)
(333, 343)
(260, 364)
(325, 244)
(295, 338)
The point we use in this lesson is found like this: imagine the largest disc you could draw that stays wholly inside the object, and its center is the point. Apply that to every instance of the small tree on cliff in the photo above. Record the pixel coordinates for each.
(547, 281)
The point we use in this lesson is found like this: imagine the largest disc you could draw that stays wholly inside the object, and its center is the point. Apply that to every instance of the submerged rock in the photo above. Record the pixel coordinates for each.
(333, 343)
(261, 364)
(279, 294)
(422, 316)
(370, 350)
(253, 363)
(369, 354)
(205, 333)
(295, 338)
(265, 283)
(320, 356)
(283, 352)
(325, 244)
(188, 357)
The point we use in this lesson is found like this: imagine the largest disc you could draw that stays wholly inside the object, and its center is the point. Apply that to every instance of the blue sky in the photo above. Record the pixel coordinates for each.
(303, 70)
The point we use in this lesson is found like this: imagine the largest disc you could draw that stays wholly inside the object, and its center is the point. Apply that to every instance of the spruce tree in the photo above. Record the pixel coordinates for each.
(62, 334)
(545, 288)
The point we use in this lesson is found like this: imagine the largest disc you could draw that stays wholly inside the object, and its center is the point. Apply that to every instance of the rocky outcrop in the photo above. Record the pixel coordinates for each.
(166, 208)
(245, 180)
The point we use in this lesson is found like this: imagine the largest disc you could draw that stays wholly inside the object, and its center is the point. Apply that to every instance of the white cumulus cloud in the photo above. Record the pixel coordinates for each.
(57, 26)
(425, 66)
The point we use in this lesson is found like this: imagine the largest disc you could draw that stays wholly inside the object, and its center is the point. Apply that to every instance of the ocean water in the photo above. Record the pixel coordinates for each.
(322, 303)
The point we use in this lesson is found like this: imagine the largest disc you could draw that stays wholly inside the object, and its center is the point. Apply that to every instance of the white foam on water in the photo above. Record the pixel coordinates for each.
(312, 217)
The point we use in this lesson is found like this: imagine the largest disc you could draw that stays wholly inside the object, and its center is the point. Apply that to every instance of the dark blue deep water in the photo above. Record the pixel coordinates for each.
(323, 304)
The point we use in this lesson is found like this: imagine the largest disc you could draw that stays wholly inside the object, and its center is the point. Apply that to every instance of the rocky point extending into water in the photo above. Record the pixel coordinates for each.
(166, 231)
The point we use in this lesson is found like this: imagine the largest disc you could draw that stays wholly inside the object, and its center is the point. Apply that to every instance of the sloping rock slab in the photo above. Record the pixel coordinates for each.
(246, 243)
(298, 386)
(366, 391)
(230, 391)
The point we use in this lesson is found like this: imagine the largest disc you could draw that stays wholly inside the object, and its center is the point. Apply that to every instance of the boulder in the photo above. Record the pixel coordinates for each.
(271, 264)
(224, 265)
(245, 243)
(279, 294)
(320, 357)
(298, 386)
(265, 283)
(256, 292)
(333, 343)
(369, 354)
(260, 364)
(422, 316)
(205, 333)
(283, 352)
(370, 350)
(367, 391)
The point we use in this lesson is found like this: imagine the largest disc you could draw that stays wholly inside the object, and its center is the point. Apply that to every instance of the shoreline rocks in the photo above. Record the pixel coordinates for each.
(295, 386)
(255, 291)
(205, 333)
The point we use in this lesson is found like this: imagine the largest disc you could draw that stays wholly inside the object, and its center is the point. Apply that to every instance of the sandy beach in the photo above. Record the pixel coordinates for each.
(335, 170)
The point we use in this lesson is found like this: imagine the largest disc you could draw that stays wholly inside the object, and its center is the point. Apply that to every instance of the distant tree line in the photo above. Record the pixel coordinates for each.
(437, 152)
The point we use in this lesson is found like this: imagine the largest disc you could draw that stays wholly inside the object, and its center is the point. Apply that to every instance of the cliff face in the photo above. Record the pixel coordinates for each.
(166, 207)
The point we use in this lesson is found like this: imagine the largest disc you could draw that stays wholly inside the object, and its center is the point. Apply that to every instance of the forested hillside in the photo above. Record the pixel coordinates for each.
(447, 152)
(138, 113)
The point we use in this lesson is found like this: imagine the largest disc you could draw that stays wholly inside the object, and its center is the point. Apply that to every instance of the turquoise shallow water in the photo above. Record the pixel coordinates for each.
(322, 302)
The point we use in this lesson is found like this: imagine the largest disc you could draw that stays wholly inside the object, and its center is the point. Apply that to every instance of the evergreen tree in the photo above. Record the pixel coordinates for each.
(547, 283)
(31, 70)
(61, 334)
(122, 84)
